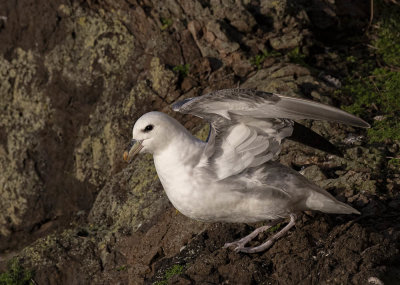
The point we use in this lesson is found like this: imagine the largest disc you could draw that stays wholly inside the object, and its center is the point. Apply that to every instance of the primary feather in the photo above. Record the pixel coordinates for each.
(248, 126)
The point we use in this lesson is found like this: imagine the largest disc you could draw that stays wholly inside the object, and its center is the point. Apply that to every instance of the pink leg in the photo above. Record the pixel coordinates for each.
(271, 240)
(239, 244)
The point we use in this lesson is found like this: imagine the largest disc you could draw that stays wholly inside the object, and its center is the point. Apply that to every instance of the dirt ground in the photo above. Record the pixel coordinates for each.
(75, 75)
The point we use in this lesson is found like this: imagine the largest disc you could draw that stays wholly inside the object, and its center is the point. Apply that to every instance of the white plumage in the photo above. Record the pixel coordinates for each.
(233, 176)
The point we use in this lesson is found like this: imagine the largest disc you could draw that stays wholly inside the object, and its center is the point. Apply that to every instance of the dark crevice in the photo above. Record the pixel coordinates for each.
(38, 225)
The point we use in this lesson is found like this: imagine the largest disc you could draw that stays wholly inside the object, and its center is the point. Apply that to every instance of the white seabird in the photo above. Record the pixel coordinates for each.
(232, 177)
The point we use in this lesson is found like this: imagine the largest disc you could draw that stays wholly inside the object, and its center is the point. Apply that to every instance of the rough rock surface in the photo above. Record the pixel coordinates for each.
(75, 75)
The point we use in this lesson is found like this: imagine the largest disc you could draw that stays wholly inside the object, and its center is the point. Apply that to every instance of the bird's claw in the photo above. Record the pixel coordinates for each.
(240, 247)
(244, 249)
(229, 244)
(237, 245)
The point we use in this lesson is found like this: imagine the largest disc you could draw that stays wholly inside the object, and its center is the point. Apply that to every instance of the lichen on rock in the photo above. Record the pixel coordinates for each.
(25, 110)
(96, 44)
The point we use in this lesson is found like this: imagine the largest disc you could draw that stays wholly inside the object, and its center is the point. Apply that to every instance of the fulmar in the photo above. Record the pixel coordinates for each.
(233, 176)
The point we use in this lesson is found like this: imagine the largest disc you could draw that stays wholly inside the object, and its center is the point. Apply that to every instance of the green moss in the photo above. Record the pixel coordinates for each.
(387, 129)
(166, 23)
(377, 94)
(16, 274)
(374, 86)
(351, 59)
(171, 272)
(275, 228)
(388, 34)
(122, 268)
(394, 162)
(182, 69)
(260, 58)
(174, 270)
(296, 56)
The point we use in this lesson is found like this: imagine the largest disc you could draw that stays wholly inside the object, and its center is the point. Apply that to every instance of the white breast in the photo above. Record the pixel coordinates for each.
(176, 169)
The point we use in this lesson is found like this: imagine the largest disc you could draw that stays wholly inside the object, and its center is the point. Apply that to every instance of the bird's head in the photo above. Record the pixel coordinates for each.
(151, 134)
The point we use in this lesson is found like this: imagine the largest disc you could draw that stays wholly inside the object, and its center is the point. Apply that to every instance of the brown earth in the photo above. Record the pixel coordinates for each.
(74, 77)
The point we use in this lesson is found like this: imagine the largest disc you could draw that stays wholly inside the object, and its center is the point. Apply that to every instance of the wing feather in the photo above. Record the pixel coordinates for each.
(258, 104)
(247, 126)
(249, 141)
(237, 135)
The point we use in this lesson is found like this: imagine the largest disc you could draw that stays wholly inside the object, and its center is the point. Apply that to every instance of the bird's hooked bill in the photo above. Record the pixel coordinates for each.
(133, 149)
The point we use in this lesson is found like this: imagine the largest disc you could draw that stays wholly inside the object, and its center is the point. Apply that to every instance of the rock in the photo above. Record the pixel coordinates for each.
(286, 41)
(26, 110)
(210, 33)
(280, 78)
(237, 15)
(74, 78)
(313, 173)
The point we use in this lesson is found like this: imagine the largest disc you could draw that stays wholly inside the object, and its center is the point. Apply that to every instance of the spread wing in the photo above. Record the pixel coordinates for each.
(247, 126)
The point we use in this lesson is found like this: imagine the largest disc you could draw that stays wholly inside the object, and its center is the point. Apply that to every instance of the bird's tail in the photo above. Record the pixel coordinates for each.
(326, 203)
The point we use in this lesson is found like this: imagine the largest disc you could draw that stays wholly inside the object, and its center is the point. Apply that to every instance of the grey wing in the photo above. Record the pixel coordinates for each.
(247, 126)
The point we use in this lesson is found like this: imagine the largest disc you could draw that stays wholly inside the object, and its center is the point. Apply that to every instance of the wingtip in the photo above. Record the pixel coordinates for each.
(359, 123)
(363, 124)
(347, 209)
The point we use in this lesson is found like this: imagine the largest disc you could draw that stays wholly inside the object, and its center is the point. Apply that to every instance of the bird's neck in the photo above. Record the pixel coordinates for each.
(176, 161)
(184, 149)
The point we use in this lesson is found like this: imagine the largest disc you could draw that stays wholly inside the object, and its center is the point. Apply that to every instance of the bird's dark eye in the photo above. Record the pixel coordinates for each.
(148, 128)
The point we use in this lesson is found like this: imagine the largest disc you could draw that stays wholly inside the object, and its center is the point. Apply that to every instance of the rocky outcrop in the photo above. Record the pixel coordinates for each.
(76, 75)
